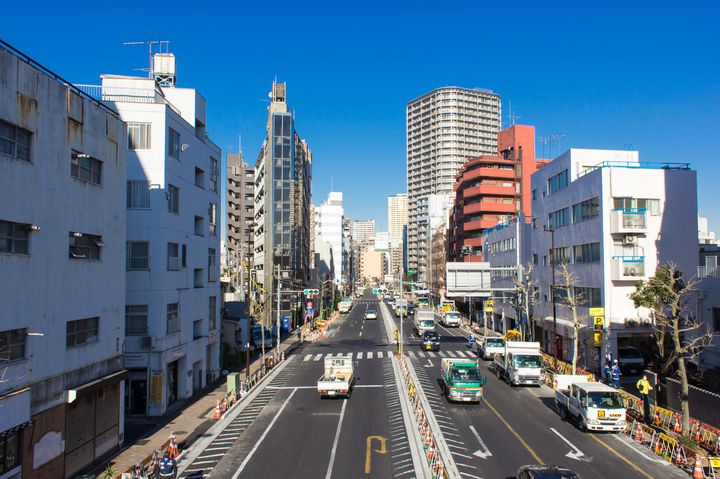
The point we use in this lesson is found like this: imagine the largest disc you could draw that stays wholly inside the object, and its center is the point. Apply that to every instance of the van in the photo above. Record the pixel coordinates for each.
(631, 361)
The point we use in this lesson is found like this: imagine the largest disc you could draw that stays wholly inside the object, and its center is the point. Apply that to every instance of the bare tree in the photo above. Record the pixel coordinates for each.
(672, 300)
(525, 288)
(572, 300)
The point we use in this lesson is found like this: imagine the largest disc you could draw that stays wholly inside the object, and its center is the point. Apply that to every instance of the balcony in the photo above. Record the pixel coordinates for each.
(627, 268)
(489, 207)
(708, 272)
(490, 190)
(628, 221)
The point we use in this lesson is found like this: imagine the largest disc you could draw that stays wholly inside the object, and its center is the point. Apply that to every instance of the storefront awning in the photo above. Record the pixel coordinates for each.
(16, 410)
(94, 385)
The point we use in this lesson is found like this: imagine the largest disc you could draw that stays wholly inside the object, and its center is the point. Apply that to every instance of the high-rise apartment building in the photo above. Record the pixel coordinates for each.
(63, 158)
(282, 208)
(329, 229)
(172, 343)
(240, 218)
(363, 230)
(444, 128)
(397, 214)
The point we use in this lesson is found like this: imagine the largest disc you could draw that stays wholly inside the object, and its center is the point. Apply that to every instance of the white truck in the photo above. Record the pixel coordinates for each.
(593, 406)
(520, 362)
(424, 321)
(338, 379)
(489, 346)
(451, 319)
(344, 307)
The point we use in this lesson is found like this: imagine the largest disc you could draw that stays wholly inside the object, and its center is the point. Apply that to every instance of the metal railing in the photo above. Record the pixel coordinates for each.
(138, 263)
(708, 272)
(122, 94)
(651, 165)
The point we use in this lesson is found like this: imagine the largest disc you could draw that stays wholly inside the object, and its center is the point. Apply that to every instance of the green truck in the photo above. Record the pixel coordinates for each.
(462, 381)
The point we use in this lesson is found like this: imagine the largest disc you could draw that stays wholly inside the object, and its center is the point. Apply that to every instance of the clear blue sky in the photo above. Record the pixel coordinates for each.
(641, 74)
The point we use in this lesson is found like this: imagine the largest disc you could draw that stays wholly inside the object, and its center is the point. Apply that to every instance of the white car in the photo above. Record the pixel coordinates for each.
(370, 314)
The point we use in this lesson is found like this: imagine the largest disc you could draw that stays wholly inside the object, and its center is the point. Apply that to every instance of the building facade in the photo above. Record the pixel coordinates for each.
(329, 229)
(240, 217)
(173, 295)
(63, 158)
(397, 214)
(283, 176)
(363, 230)
(491, 190)
(613, 220)
(708, 307)
(444, 128)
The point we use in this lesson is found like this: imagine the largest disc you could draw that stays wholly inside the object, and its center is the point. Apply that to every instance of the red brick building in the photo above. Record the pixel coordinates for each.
(490, 190)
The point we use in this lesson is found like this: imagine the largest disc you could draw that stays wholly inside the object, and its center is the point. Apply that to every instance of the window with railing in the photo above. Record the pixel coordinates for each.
(633, 218)
(15, 141)
(138, 255)
(85, 246)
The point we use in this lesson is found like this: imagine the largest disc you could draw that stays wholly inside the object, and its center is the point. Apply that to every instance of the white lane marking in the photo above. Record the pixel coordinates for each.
(264, 435)
(307, 357)
(429, 364)
(632, 445)
(360, 355)
(361, 333)
(483, 452)
(317, 357)
(281, 388)
(335, 442)
(432, 354)
(575, 453)
(380, 354)
(370, 355)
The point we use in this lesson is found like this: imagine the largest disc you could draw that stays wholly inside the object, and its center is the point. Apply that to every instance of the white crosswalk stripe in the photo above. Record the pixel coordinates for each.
(370, 355)
(411, 353)
(307, 357)
(380, 354)
(360, 355)
(317, 357)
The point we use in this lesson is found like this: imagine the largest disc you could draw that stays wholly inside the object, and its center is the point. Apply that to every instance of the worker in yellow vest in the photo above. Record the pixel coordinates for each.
(644, 387)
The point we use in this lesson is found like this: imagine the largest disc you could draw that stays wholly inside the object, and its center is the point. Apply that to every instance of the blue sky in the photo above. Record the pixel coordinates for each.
(641, 75)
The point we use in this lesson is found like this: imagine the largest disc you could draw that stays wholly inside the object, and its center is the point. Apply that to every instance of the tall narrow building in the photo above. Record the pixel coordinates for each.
(444, 128)
(397, 214)
(329, 229)
(240, 217)
(283, 175)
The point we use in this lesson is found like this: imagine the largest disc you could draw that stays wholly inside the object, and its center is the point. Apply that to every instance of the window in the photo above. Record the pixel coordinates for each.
(214, 172)
(173, 144)
(534, 194)
(12, 345)
(652, 206)
(199, 226)
(591, 297)
(558, 182)
(198, 278)
(138, 255)
(212, 314)
(560, 255)
(212, 260)
(14, 141)
(621, 249)
(138, 194)
(173, 257)
(197, 329)
(85, 168)
(173, 198)
(136, 320)
(173, 318)
(586, 253)
(85, 246)
(212, 213)
(586, 210)
(139, 136)
(716, 319)
(82, 331)
(10, 450)
(559, 218)
(184, 256)
(199, 177)
(535, 258)
(14, 237)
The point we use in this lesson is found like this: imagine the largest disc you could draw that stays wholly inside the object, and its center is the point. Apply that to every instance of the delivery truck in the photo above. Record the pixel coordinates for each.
(461, 380)
(338, 378)
(592, 406)
(520, 362)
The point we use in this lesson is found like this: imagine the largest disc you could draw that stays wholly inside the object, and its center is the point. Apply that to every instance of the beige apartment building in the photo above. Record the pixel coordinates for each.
(397, 214)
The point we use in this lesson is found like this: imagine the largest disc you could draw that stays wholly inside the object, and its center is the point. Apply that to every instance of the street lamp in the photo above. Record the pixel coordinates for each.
(551, 230)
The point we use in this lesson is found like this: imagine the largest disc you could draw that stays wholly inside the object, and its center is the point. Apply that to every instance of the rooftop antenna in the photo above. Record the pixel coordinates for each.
(331, 183)
(511, 118)
(161, 45)
(556, 138)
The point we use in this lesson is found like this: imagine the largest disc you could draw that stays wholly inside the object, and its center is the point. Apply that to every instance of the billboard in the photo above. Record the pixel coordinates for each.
(467, 280)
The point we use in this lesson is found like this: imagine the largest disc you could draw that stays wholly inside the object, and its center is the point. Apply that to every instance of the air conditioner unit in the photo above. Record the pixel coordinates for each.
(631, 272)
(147, 342)
(631, 322)
(630, 239)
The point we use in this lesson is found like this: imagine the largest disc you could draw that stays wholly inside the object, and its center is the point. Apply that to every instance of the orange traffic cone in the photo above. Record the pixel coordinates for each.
(656, 418)
(696, 435)
(638, 433)
(698, 472)
(677, 428)
(218, 412)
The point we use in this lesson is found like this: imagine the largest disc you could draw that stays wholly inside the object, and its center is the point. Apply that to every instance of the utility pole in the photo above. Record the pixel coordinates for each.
(279, 287)
(551, 230)
(400, 338)
(249, 302)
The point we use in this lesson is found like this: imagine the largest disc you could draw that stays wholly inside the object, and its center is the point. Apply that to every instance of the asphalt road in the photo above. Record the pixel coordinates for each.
(294, 433)
(514, 426)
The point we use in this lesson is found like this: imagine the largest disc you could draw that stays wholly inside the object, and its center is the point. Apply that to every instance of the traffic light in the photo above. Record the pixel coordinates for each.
(375, 291)
(308, 292)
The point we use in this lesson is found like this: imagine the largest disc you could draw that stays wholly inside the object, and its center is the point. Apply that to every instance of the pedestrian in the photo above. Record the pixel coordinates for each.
(608, 367)
(644, 387)
(615, 373)
(168, 467)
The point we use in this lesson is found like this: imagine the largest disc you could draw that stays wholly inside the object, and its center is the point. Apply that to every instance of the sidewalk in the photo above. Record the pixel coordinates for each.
(187, 425)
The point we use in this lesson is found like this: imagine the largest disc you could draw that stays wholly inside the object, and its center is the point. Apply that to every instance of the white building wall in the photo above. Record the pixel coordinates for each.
(329, 229)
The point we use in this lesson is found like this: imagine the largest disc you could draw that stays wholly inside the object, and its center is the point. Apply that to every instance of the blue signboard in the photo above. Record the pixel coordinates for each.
(286, 323)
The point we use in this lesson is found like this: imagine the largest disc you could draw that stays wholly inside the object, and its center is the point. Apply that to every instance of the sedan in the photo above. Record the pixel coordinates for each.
(370, 314)
(411, 311)
(430, 341)
(545, 472)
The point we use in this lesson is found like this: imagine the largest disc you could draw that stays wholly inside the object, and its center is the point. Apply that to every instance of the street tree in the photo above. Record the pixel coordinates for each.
(671, 301)
(526, 295)
(572, 300)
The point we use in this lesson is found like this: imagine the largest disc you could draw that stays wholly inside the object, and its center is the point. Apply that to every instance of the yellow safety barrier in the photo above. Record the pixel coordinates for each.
(665, 446)
(714, 467)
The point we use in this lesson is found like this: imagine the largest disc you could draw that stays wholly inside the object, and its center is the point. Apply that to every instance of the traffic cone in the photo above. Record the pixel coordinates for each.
(696, 436)
(656, 418)
(218, 413)
(638, 433)
(431, 452)
(698, 472)
(677, 428)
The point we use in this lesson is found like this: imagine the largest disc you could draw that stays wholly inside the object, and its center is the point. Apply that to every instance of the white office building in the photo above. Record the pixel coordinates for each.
(432, 212)
(62, 254)
(363, 230)
(173, 246)
(329, 229)
(614, 219)
(445, 127)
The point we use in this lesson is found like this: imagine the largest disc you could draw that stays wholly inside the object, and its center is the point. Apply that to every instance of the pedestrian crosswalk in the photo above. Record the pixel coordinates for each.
(310, 357)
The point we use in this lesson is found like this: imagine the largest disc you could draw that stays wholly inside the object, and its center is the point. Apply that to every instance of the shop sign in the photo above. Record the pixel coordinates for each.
(156, 387)
(136, 360)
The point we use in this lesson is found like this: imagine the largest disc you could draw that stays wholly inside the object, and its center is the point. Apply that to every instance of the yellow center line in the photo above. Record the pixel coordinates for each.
(515, 433)
(621, 457)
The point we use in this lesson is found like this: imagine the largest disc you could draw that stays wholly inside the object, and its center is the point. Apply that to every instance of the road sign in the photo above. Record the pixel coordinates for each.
(598, 322)
(597, 311)
(598, 338)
